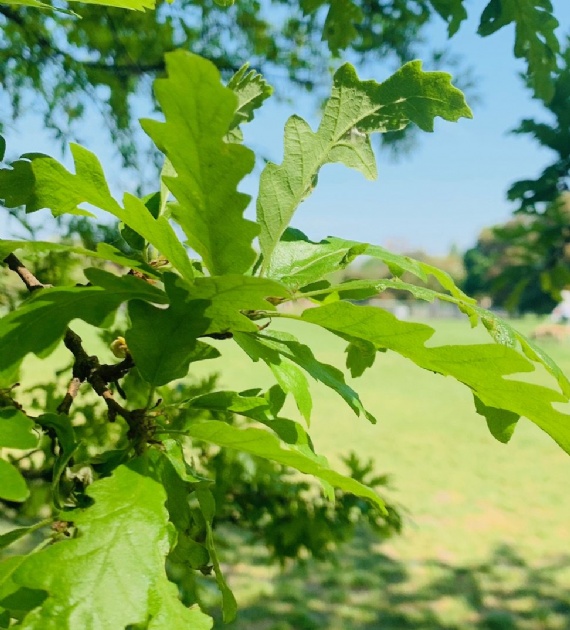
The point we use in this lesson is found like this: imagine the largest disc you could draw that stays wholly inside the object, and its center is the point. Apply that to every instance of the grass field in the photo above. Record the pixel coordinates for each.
(486, 541)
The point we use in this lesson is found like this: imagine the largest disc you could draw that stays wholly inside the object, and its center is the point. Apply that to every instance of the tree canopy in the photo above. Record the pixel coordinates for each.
(98, 58)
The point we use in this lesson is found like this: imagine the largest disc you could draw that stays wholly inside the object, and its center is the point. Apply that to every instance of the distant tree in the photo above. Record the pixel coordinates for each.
(523, 265)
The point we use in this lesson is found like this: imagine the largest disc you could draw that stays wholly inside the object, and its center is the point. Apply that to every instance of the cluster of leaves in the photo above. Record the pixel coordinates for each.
(144, 500)
(105, 55)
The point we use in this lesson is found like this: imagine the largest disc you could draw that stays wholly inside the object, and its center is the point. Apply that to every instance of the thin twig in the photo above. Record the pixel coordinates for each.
(27, 277)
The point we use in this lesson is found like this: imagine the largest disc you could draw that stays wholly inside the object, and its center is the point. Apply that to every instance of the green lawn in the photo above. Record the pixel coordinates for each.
(486, 540)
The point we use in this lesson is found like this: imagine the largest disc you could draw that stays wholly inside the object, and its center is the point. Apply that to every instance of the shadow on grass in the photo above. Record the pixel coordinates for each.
(364, 589)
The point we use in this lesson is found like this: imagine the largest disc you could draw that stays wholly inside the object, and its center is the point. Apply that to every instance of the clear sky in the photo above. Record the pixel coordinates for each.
(451, 186)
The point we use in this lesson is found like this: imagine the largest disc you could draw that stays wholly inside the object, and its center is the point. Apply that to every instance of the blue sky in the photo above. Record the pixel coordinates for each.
(451, 186)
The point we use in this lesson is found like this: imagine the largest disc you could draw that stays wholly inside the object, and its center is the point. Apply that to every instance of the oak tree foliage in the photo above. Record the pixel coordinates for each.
(136, 483)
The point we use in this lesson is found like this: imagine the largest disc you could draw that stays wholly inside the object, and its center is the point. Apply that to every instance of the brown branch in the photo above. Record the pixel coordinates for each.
(85, 368)
(27, 277)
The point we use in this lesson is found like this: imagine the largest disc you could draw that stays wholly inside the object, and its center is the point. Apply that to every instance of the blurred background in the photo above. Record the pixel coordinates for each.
(478, 532)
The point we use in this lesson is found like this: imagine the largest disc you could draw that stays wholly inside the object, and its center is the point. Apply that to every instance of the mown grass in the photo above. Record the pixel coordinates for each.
(486, 533)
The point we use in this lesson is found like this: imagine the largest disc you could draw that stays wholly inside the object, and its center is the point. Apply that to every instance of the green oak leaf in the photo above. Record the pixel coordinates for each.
(211, 305)
(482, 367)
(24, 330)
(280, 344)
(2, 148)
(14, 600)
(498, 328)
(354, 111)
(252, 90)
(39, 181)
(12, 485)
(258, 408)
(535, 37)
(112, 574)
(297, 261)
(339, 29)
(452, 11)
(264, 444)
(199, 111)
(16, 429)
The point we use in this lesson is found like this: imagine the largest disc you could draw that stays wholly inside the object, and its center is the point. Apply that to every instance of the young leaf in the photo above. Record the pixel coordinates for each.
(12, 485)
(355, 110)
(252, 90)
(481, 367)
(112, 575)
(39, 181)
(297, 261)
(199, 111)
(40, 322)
(263, 444)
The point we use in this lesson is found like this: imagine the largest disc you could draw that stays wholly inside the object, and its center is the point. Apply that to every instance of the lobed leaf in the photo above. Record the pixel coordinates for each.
(199, 111)
(354, 111)
(252, 90)
(112, 575)
(481, 367)
(499, 329)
